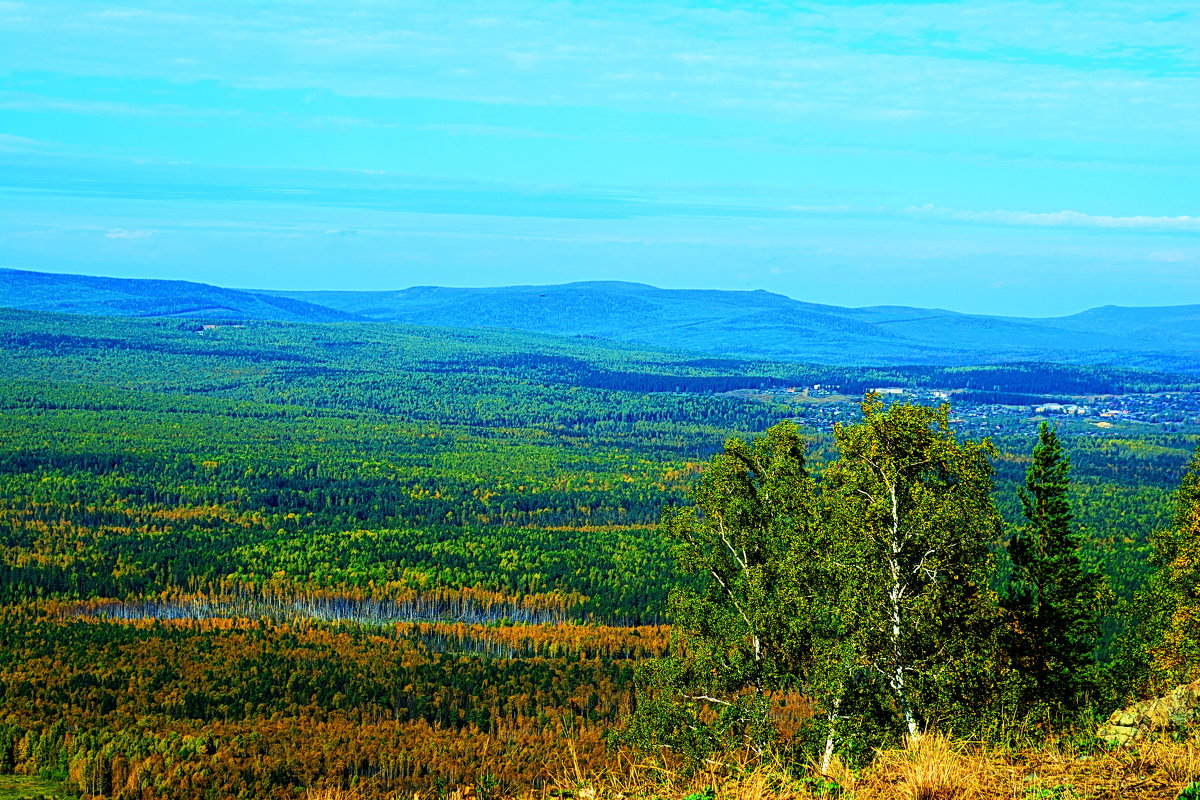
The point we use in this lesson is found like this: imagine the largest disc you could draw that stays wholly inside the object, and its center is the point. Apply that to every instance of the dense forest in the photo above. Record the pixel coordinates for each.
(250, 559)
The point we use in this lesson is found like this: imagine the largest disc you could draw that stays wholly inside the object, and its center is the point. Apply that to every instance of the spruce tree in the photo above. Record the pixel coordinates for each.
(1053, 598)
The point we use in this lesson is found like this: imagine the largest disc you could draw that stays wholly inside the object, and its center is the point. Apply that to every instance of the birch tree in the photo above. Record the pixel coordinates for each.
(914, 508)
(876, 577)
(761, 613)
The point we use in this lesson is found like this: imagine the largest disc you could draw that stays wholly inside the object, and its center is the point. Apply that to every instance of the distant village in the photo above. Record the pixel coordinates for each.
(821, 405)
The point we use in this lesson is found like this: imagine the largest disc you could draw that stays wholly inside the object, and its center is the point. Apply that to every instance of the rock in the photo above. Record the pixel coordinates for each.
(1173, 710)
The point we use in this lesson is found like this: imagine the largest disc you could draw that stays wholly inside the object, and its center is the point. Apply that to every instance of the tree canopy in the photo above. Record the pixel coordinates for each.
(872, 582)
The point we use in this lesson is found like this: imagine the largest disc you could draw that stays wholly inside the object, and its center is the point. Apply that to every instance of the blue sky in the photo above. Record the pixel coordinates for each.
(1030, 158)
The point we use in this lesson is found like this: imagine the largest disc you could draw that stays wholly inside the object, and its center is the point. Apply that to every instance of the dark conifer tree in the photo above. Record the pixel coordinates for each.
(1053, 598)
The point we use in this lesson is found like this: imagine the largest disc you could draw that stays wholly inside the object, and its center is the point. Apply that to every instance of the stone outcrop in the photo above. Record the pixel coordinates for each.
(1173, 710)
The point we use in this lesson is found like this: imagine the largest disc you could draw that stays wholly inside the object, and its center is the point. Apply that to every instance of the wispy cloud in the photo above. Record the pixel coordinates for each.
(121, 233)
(23, 144)
(502, 131)
(995, 60)
(30, 102)
(1060, 219)
(672, 131)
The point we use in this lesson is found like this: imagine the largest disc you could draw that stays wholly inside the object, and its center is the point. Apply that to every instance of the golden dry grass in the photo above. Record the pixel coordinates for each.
(932, 768)
(331, 794)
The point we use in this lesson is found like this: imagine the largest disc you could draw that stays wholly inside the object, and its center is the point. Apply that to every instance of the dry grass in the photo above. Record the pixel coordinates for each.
(634, 779)
(1176, 763)
(331, 794)
(932, 768)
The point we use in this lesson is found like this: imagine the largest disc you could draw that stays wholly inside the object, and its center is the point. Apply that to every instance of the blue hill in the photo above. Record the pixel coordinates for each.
(755, 324)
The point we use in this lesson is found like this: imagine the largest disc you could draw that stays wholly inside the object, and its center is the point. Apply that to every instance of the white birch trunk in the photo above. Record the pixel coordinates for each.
(831, 735)
(895, 596)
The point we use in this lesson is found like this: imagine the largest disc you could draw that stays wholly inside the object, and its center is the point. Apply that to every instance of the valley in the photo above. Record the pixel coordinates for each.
(394, 557)
(684, 400)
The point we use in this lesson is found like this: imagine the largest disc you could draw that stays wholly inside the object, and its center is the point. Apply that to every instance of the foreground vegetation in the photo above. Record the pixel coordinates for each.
(936, 768)
(272, 559)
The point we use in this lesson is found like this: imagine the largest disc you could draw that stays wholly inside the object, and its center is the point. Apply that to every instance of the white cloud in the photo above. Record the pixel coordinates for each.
(22, 144)
(1004, 62)
(1060, 219)
(504, 131)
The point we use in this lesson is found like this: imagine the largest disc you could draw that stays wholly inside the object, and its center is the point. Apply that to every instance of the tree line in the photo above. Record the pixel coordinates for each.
(872, 590)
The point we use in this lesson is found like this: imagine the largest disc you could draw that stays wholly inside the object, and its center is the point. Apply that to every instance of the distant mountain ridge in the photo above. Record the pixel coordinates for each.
(767, 325)
(743, 323)
(129, 297)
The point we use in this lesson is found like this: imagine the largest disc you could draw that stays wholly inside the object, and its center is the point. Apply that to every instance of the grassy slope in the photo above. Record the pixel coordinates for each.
(27, 787)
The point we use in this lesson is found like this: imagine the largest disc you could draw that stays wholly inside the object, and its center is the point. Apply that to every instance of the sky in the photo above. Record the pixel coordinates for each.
(1017, 158)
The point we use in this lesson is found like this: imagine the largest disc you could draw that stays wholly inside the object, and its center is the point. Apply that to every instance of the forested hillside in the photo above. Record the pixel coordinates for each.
(745, 324)
(765, 325)
(261, 557)
(126, 297)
